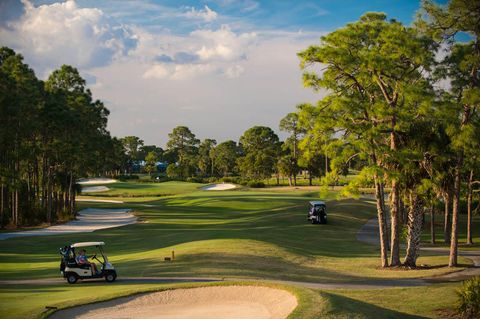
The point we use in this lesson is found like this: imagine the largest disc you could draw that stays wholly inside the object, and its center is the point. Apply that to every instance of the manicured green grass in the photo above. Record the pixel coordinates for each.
(13, 298)
(136, 189)
(462, 232)
(246, 233)
(415, 302)
(29, 301)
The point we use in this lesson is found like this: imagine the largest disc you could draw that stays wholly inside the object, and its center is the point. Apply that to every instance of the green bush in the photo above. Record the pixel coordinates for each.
(468, 304)
(256, 184)
(127, 177)
(194, 180)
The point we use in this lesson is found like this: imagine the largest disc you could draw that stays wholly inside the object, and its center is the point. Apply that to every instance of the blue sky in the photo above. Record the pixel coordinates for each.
(217, 66)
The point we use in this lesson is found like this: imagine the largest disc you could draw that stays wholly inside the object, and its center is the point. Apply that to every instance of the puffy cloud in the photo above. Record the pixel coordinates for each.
(206, 14)
(158, 71)
(63, 33)
(223, 44)
(202, 52)
(179, 71)
(234, 71)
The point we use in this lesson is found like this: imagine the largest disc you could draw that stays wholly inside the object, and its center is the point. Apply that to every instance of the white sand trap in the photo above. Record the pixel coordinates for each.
(232, 302)
(99, 200)
(219, 187)
(95, 189)
(96, 180)
(88, 220)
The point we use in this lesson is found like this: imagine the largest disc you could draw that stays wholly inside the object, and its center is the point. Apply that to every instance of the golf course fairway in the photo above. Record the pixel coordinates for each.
(244, 236)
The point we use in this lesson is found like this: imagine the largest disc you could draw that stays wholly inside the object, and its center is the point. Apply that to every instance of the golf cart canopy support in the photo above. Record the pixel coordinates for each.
(88, 244)
(317, 203)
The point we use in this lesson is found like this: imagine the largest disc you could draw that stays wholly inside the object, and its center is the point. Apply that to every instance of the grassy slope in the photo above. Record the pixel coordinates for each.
(246, 234)
(361, 304)
(255, 234)
(128, 189)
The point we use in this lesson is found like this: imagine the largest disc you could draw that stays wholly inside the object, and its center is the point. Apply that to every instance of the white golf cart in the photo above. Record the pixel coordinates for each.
(317, 213)
(72, 271)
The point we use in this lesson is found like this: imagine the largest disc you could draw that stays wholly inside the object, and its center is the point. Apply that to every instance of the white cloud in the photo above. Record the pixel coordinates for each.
(188, 71)
(202, 52)
(234, 71)
(158, 71)
(219, 51)
(178, 71)
(63, 33)
(206, 14)
(163, 79)
(224, 44)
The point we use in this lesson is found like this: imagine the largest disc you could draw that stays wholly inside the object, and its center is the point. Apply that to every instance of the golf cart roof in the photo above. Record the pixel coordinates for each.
(88, 244)
(317, 202)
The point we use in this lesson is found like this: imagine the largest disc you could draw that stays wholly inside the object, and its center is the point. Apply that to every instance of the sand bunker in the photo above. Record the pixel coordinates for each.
(95, 189)
(219, 187)
(96, 181)
(112, 201)
(232, 302)
(88, 220)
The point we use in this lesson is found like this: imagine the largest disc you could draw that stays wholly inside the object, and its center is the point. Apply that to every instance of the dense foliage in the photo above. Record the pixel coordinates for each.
(469, 298)
(51, 133)
(389, 106)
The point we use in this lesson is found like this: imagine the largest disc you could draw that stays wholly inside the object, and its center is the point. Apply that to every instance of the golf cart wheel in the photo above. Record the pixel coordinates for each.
(313, 221)
(72, 278)
(110, 277)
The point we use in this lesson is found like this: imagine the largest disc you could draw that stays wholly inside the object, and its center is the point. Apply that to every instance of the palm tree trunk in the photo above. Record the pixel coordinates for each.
(456, 206)
(415, 218)
(432, 224)
(379, 194)
(446, 220)
(394, 228)
(469, 209)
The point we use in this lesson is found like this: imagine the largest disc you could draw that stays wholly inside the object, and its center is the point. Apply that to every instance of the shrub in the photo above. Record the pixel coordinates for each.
(127, 177)
(468, 304)
(256, 184)
(194, 180)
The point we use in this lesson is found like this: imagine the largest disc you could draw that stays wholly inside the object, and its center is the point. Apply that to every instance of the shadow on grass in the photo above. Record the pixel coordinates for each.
(338, 306)
(273, 219)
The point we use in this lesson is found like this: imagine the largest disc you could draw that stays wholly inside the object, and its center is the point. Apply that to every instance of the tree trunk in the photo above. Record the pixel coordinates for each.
(70, 190)
(446, 220)
(432, 224)
(456, 206)
(415, 217)
(289, 180)
(379, 194)
(17, 219)
(2, 204)
(394, 227)
(469, 209)
(49, 196)
(310, 177)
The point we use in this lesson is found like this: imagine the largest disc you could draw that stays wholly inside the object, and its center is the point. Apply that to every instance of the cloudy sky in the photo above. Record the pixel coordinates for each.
(216, 66)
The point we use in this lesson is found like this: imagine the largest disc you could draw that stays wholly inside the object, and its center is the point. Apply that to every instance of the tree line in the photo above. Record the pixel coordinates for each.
(51, 133)
(405, 101)
(259, 154)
